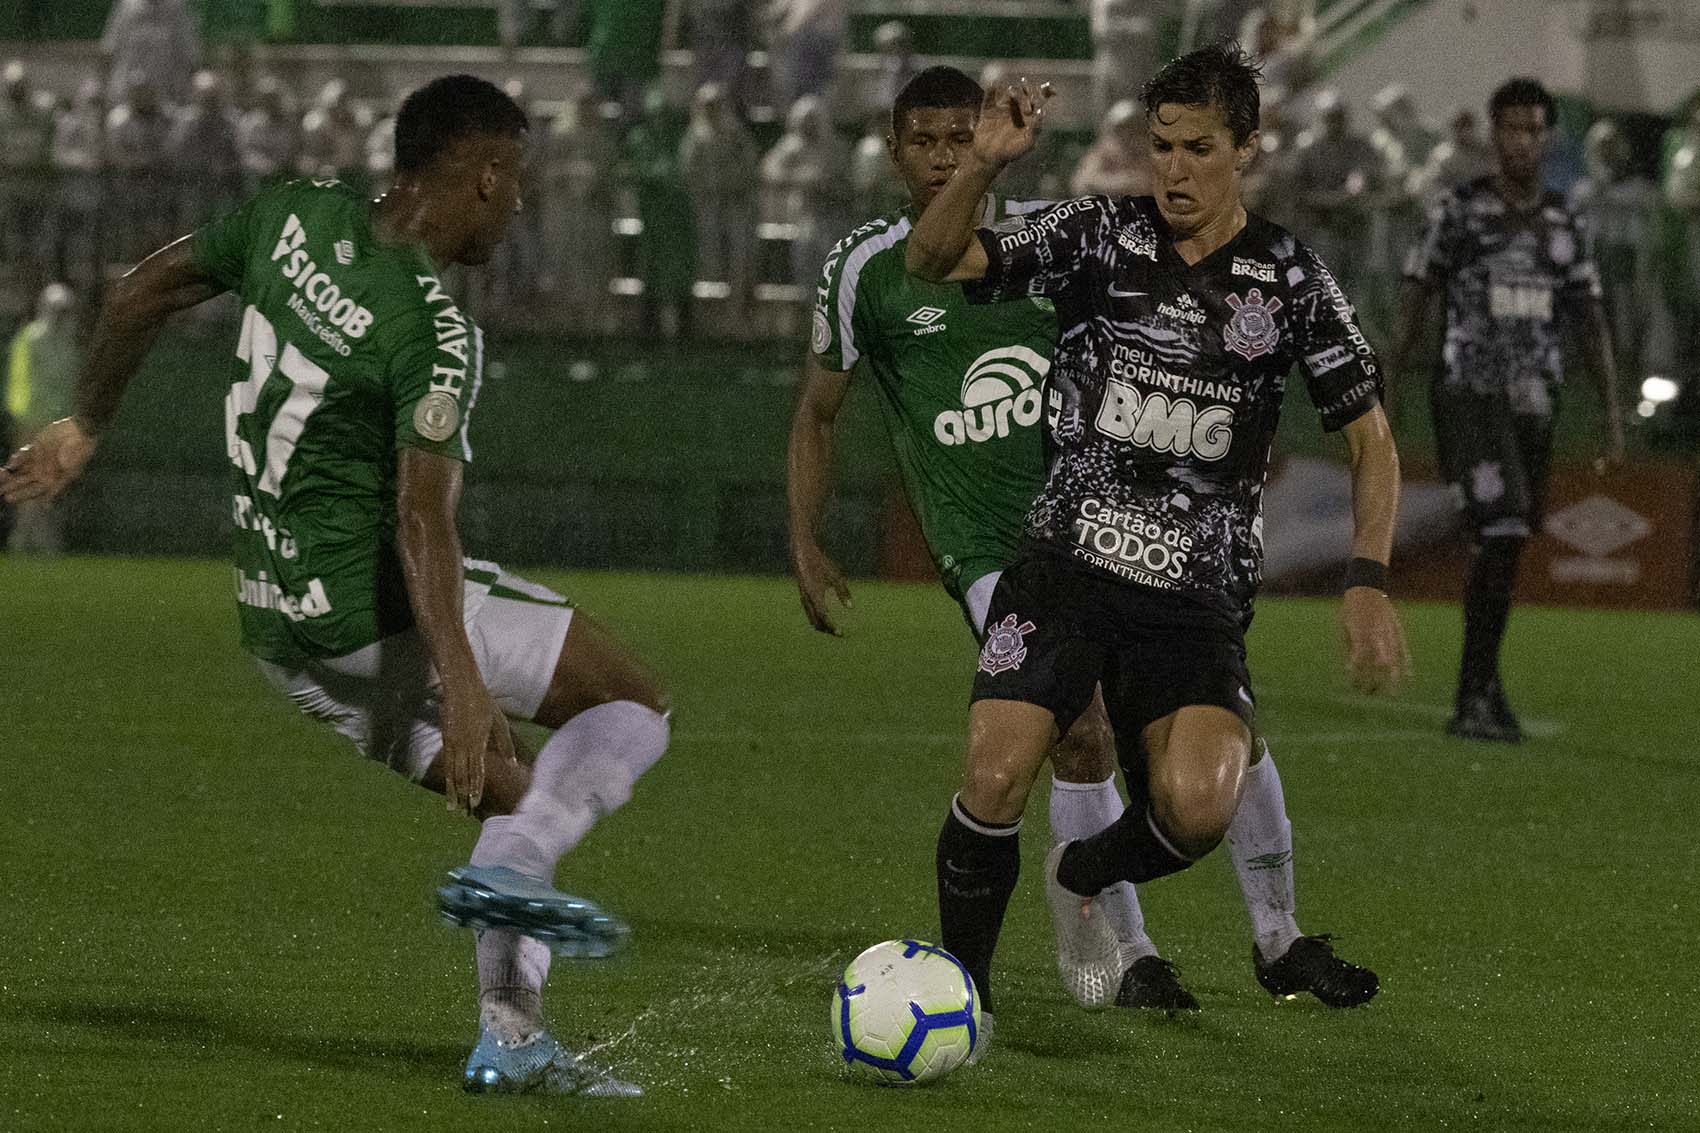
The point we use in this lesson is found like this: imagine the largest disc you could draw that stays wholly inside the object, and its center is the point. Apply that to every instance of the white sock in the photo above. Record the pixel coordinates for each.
(1080, 810)
(511, 971)
(1260, 840)
(586, 770)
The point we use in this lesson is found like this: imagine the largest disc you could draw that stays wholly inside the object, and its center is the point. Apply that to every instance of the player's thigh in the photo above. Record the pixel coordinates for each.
(546, 662)
(1192, 674)
(1482, 458)
(1037, 675)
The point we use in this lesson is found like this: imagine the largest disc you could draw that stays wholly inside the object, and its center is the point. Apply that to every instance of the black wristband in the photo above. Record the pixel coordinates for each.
(1366, 572)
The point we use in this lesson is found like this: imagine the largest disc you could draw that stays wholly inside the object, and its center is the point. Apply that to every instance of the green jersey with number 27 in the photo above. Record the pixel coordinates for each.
(350, 350)
(961, 390)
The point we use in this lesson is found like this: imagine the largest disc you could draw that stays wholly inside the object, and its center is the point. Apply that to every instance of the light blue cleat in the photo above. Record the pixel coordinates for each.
(482, 897)
(538, 1065)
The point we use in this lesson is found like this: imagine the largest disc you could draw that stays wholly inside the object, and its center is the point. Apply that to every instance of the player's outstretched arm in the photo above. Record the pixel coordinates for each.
(136, 308)
(427, 498)
(808, 483)
(942, 247)
(1602, 366)
(1376, 653)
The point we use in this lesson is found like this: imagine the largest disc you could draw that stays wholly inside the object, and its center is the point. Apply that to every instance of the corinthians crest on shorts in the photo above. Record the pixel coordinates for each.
(1005, 648)
(1251, 331)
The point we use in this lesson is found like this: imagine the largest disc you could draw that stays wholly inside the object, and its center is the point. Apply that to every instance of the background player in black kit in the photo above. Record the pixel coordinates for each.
(1179, 318)
(1516, 269)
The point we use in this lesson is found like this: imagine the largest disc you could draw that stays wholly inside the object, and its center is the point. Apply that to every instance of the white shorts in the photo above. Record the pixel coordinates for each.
(384, 697)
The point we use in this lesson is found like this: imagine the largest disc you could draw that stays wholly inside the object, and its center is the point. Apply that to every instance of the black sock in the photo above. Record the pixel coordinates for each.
(1130, 849)
(1487, 607)
(978, 863)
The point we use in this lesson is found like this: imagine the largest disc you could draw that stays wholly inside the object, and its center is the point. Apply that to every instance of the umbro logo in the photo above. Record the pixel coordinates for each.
(925, 316)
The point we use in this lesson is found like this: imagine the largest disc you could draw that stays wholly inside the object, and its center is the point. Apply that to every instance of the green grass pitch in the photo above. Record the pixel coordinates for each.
(215, 916)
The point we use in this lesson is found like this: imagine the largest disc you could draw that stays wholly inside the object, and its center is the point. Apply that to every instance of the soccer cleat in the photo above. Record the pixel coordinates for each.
(1088, 954)
(1477, 719)
(1501, 708)
(1310, 965)
(982, 1039)
(1153, 983)
(483, 897)
(538, 1065)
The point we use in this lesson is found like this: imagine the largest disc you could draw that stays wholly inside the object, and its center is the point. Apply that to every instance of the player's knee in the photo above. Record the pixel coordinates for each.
(1193, 811)
(1087, 754)
(992, 793)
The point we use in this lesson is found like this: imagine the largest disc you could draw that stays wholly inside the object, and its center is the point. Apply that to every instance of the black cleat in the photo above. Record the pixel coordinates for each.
(1479, 718)
(1152, 982)
(1310, 965)
(1501, 708)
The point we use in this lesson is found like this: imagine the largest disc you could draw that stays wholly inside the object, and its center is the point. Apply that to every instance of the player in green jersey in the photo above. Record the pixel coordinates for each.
(346, 430)
(960, 388)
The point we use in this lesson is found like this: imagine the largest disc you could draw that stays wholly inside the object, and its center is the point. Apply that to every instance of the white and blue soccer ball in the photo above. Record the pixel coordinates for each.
(905, 1013)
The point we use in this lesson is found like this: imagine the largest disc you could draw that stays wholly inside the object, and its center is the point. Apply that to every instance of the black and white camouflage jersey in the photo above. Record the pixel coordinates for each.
(1508, 274)
(1167, 382)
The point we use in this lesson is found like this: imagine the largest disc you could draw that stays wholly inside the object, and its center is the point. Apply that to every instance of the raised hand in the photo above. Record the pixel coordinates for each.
(1010, 118)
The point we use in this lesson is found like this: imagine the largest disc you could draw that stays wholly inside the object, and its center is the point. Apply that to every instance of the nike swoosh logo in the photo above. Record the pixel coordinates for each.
(954, 868)
(1115, 294)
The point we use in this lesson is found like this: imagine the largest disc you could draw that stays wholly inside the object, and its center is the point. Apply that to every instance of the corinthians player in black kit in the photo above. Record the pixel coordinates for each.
(1179, 318)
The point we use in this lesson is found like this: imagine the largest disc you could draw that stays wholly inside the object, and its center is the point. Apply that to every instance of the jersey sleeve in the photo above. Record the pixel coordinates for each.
(223, 247)
(841, 297)
(434, 386)
(1437, 255)
(1041, 253)
(1341, 372)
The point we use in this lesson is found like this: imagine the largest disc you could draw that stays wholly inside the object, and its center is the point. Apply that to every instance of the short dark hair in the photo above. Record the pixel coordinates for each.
(1522, 92)
(936, 87)
(447, 109)
(1220, 75)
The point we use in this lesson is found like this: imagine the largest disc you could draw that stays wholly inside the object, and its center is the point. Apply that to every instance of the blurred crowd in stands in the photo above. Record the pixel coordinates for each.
(714, 217)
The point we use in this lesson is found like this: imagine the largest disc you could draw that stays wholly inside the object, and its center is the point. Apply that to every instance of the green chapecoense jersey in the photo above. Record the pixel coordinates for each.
(961, 390)
(350, 350)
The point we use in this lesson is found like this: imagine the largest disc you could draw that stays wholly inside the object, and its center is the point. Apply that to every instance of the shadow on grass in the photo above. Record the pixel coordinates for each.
(184, 1024)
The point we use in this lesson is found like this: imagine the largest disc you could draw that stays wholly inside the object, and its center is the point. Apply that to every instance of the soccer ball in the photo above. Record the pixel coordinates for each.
(905, 1013)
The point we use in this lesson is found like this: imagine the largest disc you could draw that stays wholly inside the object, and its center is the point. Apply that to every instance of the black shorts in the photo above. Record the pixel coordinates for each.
(1058, 628)
(1499, 462)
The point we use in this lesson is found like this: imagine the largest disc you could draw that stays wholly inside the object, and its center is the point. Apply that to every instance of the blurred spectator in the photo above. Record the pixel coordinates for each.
(720, 34)
(1123, 51)
(26, 134)
(78, 157)
(41, 372)
(895, 44)
(266, 136)
(1269, 180)
(1620, 208)
(1119, 162)
(1680, 248)
(667, 246)
(806, 175)
(877, 189)
(1283, 36)
(1401, 136)
(805, 39)
(719, 160)
(516, 18)
(580, 149)
(152, 42)
(333, 136)
(625, 49)
(137, 131)
(203, 153)
(1462, 157)
(1338, 178)
(380, 155)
